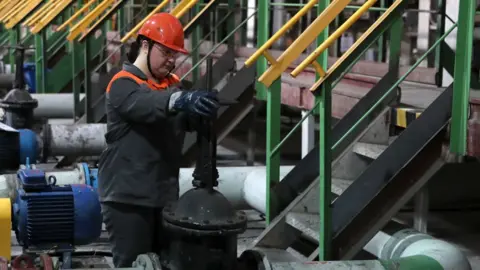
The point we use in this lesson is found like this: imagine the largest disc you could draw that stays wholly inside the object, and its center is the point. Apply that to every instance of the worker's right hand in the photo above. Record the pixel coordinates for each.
(199, 102)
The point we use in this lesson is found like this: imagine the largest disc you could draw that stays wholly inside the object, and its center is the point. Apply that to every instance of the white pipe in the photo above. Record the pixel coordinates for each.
(244, 187)
(54, 105)
(409, 242)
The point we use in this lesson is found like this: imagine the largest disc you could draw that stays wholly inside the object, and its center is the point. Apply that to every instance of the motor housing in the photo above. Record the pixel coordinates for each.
(46, 216)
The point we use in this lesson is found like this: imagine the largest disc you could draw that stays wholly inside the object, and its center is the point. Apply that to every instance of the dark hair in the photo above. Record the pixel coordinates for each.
(134, 49)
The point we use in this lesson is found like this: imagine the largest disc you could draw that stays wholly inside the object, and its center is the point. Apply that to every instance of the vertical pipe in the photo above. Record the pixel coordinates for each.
(278, 22)
(251, 7)
(231, 23)
(308, 134)
(381, 40)
(14, 37)
(423, 29)
(441, 21)
(195, 40)
(87, 83)
(325, 112)
(461, 84)
(121, 29)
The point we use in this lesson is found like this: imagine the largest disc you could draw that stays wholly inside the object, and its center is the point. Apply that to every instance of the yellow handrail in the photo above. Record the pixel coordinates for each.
(38, 15)
(179, 7)
(11, 10)
(137, 27)
(312, 58)
(76, 15)
(80, 26)
(31, 5)
(50, 15)
(207, 6)
(4, 6)
(302, 42)
(357, 43)
(101, 20)
(182, 11)
(279, 33)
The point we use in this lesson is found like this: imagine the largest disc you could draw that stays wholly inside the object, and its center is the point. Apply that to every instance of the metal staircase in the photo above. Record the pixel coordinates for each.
(359, 207)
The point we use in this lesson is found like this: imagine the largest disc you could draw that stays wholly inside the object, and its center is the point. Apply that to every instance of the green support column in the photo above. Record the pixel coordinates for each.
(461, 82)
(196, 33)
(325, 115)
(272, 96)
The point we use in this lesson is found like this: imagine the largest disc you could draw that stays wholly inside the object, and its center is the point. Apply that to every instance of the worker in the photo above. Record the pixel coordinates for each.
(147, 115)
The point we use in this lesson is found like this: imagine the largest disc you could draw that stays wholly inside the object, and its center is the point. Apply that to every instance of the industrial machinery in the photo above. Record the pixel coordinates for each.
(203, 223)
(16, 108)
(48, 217)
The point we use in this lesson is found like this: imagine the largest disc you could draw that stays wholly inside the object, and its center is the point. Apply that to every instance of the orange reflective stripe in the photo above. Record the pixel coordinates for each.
(172, 79)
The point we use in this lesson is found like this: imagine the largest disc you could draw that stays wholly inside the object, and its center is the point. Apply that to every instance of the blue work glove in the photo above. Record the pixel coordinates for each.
(200, 102)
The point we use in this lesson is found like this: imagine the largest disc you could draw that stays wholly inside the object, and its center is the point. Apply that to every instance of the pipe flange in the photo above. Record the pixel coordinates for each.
(204, 210)
(47, 138)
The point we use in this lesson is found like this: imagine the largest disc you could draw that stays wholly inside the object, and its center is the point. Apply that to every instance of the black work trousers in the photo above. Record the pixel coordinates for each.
(133, 230)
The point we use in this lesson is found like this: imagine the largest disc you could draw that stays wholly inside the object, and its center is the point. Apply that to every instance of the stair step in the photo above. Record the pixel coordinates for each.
(369, 150)
(307, 223)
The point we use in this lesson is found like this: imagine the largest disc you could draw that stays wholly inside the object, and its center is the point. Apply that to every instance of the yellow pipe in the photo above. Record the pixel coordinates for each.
(20, 16)
(331, 39)
(303, 41)
(198, 15)
(179, 7)
(280, 32)
(87, 20)
(12, 11)
(357, 43)
(38, 14)
(186, 8)
(137, 27)
(101, 20)
(76, 15)
(40, 25)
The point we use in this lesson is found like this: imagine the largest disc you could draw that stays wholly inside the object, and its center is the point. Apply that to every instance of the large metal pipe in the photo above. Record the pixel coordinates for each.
(78, 140)
(54, 105)
(403, 249)
(244, 187)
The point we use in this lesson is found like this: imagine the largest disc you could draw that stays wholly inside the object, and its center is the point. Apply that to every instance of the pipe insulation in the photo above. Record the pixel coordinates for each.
(244, 187)
(403, 249)
(54, 105)
(79, 140)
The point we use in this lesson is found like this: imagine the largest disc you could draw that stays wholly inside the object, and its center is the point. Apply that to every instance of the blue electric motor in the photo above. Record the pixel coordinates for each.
(46, 216)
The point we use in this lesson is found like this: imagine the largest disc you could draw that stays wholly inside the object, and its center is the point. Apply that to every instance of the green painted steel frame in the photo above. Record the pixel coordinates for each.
(272, 95)
(462, 77)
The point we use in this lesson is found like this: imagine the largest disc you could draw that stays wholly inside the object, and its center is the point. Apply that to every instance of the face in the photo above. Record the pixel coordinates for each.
(162, 60)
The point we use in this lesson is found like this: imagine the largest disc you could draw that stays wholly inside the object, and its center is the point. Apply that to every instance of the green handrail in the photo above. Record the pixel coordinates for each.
(218, 45)
(394, 86)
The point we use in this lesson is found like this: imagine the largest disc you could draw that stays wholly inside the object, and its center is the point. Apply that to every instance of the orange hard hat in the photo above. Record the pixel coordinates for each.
(165, 29)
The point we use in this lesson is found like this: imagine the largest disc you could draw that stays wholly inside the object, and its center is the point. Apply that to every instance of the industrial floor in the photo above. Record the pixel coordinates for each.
(459, 228)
